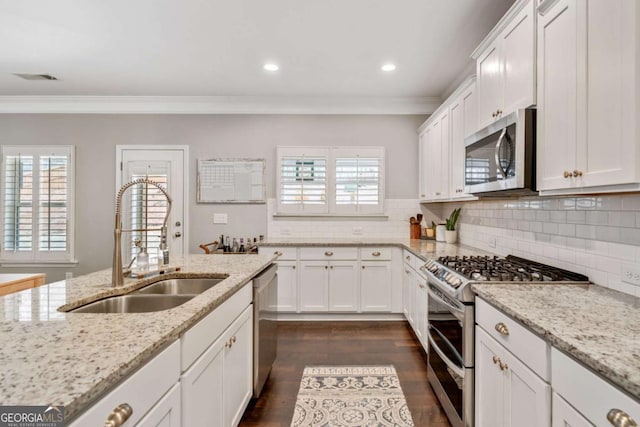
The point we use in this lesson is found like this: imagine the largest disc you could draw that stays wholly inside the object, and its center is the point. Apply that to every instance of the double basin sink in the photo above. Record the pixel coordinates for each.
(157, 296)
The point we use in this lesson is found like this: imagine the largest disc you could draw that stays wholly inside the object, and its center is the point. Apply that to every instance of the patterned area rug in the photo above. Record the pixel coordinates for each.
(350, 396)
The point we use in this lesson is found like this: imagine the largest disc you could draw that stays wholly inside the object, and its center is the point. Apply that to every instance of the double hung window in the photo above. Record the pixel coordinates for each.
(331, 180)
(37, 204)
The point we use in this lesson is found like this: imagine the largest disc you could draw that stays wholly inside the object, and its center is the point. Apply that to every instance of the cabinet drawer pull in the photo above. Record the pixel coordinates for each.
(278, 253)
(502, 328)
(619, 418)
(119, 415)
(328, 253)
(376, 253)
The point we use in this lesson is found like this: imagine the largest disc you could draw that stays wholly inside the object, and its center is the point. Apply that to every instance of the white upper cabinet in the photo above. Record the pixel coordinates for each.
(442, 149)
(587, 134)
(505, 63)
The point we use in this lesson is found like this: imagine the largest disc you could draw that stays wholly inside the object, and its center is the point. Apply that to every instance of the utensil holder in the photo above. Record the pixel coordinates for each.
(414, 230)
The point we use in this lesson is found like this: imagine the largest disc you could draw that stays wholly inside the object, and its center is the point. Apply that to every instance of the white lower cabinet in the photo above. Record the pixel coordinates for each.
(565, 416)
(167, 411)
(375, 286)
(314, 286)
(408, 283)
(218, 386)
(287, 286)
(508, 393)
(420, 311)
(142, 392)
(593, 398)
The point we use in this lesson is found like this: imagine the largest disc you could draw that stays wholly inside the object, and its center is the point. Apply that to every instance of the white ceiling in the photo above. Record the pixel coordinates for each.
(325, 48)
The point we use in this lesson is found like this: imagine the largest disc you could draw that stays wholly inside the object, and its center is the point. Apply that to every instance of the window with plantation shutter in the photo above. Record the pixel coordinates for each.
(358, 180)
(331, 180)
(37, 204)
(302, 180)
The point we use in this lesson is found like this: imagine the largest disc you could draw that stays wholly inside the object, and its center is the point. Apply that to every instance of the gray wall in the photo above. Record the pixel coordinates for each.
(95, 138)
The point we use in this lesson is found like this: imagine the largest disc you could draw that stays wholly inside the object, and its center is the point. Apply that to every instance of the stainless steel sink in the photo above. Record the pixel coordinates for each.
(180, 286)
(134, 304)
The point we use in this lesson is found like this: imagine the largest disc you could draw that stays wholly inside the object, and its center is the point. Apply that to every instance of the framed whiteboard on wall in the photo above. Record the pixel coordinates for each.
(230, 181)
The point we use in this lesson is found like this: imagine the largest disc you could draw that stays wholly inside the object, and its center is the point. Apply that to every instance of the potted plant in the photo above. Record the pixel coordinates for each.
(451, 234)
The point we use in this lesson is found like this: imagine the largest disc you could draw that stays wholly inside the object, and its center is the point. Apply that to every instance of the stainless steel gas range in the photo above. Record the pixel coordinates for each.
(452, 316)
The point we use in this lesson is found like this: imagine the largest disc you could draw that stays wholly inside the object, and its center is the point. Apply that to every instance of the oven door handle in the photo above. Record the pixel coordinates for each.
(459, 314)
(456, 369)
(448, 343)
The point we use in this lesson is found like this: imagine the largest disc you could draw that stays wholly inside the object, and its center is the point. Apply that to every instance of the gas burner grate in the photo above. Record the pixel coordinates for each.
(509, 268)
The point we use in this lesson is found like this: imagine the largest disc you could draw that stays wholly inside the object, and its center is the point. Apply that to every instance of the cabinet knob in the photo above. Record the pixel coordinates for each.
(577, 173)
(233, 339)
(363, 267)
(619, 418)
(567, 174)
(328, 253)
(407, 257)
(119, 415)
(502, 328)
(499, 112)
(493, 114)
(422, 195)
(278, 253)
(326, 266)
(496, 359)
(437, 193)
(293, 267)
(376, 253)
(503, 366)
(331, 267)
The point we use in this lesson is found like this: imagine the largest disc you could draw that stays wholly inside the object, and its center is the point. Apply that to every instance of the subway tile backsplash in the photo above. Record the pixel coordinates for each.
(396, 223)
(594, 235)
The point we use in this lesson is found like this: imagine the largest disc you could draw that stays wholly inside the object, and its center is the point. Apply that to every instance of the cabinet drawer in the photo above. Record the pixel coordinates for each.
(589, 393)
(524, 344)
(375, 254)
(289, 253)
(197, 339)
(329, 253)
(141, 390)
(410, 259)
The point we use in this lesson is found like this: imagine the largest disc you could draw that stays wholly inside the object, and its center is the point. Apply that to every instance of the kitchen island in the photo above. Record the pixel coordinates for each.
(51, 357)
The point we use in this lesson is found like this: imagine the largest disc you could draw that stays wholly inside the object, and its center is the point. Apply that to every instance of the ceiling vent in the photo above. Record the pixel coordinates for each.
(27, 76)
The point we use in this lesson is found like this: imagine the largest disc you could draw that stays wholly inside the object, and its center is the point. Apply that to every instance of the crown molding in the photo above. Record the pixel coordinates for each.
(216, 105)
(501, 25)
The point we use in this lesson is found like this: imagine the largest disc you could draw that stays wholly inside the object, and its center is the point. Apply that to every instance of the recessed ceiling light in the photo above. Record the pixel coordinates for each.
(388, 67)
(270, 66)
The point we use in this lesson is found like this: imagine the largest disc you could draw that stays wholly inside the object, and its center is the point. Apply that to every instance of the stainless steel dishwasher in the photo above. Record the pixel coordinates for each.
(265, 328)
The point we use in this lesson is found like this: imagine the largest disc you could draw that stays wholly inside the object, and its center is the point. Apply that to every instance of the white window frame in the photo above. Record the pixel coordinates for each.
(331, 208)
(35, 256)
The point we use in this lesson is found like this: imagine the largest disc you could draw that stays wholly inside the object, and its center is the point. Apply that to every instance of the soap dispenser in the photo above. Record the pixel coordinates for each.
(142, 260)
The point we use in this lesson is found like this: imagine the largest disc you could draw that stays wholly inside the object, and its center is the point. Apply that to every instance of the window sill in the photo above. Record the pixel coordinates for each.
(38, 264)
(332, 216)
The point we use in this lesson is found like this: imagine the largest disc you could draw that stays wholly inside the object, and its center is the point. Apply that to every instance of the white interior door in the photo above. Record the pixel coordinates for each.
(167, 166)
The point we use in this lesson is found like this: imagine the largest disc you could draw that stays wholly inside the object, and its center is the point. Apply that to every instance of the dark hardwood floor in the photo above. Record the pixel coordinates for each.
(344, 343)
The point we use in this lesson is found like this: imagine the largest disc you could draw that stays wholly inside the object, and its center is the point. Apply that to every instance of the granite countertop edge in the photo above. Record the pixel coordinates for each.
(618, 377)
(165, 328)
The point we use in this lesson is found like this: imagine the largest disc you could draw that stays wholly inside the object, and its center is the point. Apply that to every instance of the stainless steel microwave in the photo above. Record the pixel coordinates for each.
(500, 159)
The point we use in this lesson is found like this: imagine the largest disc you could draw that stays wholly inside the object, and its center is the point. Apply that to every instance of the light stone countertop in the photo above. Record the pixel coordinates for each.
(425, 249)
(597, 326)
(71, 359)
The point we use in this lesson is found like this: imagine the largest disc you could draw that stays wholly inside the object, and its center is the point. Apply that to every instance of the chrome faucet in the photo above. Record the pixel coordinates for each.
(117, 273)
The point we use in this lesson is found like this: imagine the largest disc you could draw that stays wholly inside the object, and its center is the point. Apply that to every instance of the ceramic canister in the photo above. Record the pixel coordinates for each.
(440, 229)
